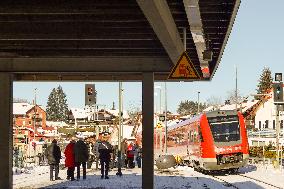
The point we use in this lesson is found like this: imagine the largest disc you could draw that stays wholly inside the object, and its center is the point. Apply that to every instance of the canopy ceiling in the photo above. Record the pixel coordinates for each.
(111, 39)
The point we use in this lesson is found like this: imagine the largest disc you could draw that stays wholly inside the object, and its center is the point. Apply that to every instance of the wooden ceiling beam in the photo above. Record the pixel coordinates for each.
(98, 64)
(160, 18)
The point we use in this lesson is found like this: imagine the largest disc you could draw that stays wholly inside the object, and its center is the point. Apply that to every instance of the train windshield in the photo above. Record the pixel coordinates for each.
(225, 130)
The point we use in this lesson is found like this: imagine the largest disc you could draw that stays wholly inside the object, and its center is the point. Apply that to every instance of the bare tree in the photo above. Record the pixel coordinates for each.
(214, 101)
(20, 100)
(233, 98)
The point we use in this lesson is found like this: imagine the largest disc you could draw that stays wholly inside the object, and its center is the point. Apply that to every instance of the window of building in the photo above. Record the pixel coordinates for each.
(273, 124)
(266, 124)
(259, 125)
(281, 124)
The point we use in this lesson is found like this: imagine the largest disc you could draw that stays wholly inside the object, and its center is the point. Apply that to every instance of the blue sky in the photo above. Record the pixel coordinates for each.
(256, 41)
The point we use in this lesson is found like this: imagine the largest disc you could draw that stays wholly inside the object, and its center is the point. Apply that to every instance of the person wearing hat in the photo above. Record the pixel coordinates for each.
(70, 159)
(105, 149)
(53, 155)
(81, 157)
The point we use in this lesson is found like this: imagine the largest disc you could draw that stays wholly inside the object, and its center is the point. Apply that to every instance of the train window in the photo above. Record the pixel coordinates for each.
(225, 131)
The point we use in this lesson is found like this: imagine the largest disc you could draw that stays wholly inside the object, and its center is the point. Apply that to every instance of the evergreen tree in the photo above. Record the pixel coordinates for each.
(189, 107)
(264, 82)
(57, 108)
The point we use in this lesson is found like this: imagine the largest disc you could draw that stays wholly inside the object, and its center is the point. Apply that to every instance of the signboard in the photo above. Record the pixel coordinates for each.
(184, 69)
(159, 125)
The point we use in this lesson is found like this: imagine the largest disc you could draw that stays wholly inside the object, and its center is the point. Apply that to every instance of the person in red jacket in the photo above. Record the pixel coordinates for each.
(70, 159)
(130, 155)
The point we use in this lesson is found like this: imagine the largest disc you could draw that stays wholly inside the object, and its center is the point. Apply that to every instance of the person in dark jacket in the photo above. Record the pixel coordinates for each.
(81, 157)
(105, 149)
(53, 155)
(70, 159)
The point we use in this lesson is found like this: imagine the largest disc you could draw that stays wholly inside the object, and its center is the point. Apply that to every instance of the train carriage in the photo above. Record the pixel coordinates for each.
(214, 140)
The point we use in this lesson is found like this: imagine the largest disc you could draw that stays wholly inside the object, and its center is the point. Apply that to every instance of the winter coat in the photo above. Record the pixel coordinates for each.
(53, 154)
(69, 155)
(130, 151)
(81, 151)
(105, 149)
(96, 148)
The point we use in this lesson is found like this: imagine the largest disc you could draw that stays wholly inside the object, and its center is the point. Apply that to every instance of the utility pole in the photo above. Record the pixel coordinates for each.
(277, 136)
(166, 125)
(278, 100)
(198, 102)
(236, 89)
(35, 114)
(119, 173)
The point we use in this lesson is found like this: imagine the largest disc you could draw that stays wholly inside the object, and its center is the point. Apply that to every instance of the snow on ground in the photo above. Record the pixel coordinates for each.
(179, 178)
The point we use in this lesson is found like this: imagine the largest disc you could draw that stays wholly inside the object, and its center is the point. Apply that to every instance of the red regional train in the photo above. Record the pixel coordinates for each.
(215, 140)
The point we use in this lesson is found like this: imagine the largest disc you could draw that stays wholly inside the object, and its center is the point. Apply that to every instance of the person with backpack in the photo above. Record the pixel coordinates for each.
(53, 155)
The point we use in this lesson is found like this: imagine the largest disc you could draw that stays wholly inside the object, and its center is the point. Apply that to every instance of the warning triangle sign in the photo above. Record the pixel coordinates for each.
(183, 69)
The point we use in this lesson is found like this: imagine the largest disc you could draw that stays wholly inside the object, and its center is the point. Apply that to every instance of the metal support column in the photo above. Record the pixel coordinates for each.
(6, 130)
(147, 130)
(277, 136)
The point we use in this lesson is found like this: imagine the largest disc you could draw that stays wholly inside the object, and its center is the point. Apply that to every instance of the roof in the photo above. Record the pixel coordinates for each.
(116, 113)
(79, 113)
(244, 105)
(21, 108)
(111, 40)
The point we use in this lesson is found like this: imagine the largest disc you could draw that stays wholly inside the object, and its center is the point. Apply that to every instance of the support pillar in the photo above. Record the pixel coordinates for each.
(6, 130)
(148, 130)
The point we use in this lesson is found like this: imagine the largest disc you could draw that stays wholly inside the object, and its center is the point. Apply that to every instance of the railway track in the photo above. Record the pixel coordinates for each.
(228, 183)
(269, 184)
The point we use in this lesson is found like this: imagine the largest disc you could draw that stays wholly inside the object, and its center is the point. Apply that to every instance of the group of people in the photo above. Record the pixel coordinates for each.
(77, 154)
(131, 154)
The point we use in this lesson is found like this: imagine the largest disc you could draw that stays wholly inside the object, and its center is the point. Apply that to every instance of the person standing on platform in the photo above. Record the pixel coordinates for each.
(70, 159)
(123, 152)
(130, 155)
(96, 150)
(53, 155)
(105, 150)
(81, 157)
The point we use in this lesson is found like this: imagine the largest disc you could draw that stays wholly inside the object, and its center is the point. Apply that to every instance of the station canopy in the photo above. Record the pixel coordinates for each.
(111, 39)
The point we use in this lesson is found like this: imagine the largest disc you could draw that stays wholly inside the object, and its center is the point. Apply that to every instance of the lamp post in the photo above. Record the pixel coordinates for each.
(198, 101)
(35, 114)
(166, 125)
(160, 105)
(119, 173)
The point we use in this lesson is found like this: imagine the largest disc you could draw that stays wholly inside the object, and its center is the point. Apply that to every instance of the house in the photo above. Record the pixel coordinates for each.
(27, 119)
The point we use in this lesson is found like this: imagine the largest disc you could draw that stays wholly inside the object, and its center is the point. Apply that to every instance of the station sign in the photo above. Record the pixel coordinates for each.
(184, 69)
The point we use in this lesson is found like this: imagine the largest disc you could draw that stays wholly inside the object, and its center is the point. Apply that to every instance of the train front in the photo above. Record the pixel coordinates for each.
(225, 144)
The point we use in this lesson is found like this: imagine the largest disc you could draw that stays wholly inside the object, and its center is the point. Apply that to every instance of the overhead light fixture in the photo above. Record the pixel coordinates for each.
(207, 55)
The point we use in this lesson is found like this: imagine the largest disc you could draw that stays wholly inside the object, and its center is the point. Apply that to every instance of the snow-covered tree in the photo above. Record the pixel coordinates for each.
(264, 82)
(57, 108)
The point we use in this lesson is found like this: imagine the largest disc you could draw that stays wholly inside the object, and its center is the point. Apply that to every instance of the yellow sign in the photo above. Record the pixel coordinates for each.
(184, 69)
(159, 125)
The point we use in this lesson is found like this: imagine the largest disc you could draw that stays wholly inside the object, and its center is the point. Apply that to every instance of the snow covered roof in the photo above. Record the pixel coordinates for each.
(21, 108)
(245, 106)
(79, 113)
(55, 124)
(116, 112)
